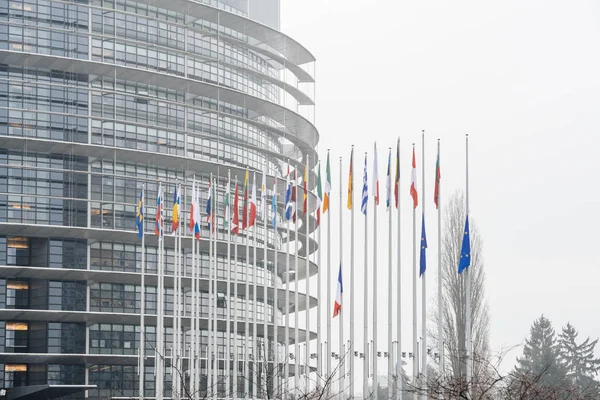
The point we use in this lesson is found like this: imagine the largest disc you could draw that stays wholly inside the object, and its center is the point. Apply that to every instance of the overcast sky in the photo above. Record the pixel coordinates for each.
(523, 80)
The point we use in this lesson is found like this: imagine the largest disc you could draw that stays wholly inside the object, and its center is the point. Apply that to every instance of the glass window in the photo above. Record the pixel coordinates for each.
(17, 294)
(16, 334)
(15, 375)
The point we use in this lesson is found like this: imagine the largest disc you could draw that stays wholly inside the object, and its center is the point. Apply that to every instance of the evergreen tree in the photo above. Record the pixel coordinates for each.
(540, 358)
(578, 360)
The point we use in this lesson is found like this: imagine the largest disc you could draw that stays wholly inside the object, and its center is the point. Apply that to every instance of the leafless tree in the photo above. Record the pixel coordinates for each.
(454, 296)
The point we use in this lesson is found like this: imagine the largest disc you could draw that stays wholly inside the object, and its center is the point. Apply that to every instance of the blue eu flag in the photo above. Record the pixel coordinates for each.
(423, 248)
(465, 252)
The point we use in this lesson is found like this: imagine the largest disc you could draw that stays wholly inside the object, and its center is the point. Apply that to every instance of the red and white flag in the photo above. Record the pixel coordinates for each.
(413, 181)
(337, 305)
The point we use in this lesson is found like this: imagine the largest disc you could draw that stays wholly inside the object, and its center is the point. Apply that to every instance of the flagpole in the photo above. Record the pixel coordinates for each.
(193, 355)
(255, 357)
(366, 286)
(390, 278)
(319, 289)
(142, 369)
(440, 297)
(468, 283)
(246, 211)
(342, 312)
(228, 295)
(307, 274)
(296, 294)
(400, 379)
(287, 290)
(265, 361)
(175, 353)
(210, 385)
(423, 278)
(351, 350)
(328, 304)
(215, 231)
(235, 297)
(275, 291)
(160, 325)
(375, 201)
(414, 268)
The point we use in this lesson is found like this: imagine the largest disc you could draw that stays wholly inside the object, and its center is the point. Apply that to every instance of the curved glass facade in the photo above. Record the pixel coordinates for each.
(99, 99)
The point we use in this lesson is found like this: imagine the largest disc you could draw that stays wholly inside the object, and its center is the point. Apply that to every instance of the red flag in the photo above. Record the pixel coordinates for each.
(438, 176)
(245, 207)
(413, 183)
(305, 208)
(235, 228)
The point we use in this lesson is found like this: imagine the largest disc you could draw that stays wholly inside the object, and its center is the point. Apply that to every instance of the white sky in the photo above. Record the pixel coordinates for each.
(523, 80)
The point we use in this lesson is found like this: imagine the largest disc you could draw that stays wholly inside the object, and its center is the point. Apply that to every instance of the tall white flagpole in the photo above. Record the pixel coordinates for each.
(236, 211)
(143, 301)
(265, 349)
(228, 294)
(468, 285)
(329, 302)
(193, 355)
(211, 293)
(342, 372)
(160, 312)
(296, 296)
(414, 268)
(319, 289)
(286, 367)
(440, 297)
(215, 230)
(307, 276)
(275, 292)
(175, 352)
(390, 277)
(363, 206)
(423, 279)
(375, 203)
(350, 353)
(255, 355)
(247, 299)
(397, 192)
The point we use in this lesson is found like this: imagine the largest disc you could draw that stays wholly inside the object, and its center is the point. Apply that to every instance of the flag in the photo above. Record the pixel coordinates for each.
(305, 187)
(423, 261)
(245, 206)
(319, 195)
(465, 252)
(365, 191)
(139, 219)
(288, 198)
(274, 202)
(413, 181)
(388, 183)
(438, 176)
(350, 181)
(375, 176)
(327, 191)
(252, 218)
(397, 175)
(293, 198)
(235, 224)
(337, 305)
(227, 205)
(209, 207)
(197, 212)
(263, 196)
(192, 205)
(175, 218)
(158, 224)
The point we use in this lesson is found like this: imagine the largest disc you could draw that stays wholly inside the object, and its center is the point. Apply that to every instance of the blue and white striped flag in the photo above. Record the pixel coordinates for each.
(365, 191)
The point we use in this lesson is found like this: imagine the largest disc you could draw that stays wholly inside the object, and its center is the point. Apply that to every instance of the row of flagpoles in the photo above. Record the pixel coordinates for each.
(248, 220)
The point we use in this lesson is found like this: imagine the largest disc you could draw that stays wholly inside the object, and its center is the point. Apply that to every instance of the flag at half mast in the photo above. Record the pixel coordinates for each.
(350, 181)
(413, 181)
(465, 252)
(139, 219)
(337, 305)
(327, 191)
(175, 214)
(365, 190)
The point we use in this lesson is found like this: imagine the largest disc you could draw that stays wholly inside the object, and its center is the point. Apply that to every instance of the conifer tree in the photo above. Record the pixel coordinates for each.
(578, 360)
(540, 355)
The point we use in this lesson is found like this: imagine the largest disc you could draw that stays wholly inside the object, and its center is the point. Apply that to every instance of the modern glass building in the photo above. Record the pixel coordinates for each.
(99, 99)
